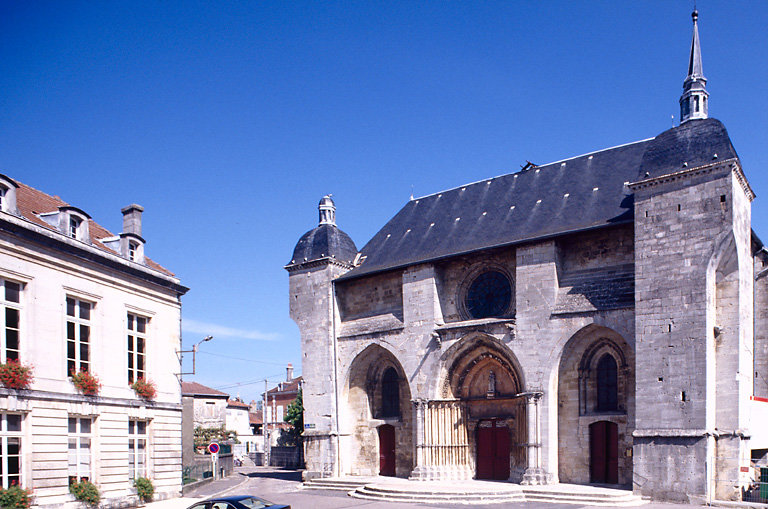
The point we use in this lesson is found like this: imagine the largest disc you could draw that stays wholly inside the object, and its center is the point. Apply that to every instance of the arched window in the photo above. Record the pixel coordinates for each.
(390, 394)
(607, 384)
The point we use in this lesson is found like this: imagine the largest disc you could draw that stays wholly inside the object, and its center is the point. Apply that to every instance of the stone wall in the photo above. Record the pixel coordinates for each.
(761, 325)
(312, 307)
(376, 295)
(596, 249)
(455, 275)
(685, 229)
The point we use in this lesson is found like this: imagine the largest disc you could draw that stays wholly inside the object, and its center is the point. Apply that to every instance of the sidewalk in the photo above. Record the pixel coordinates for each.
(219, 487)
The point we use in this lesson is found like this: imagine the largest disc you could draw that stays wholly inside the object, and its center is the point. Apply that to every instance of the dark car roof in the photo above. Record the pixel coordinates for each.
(237, 498)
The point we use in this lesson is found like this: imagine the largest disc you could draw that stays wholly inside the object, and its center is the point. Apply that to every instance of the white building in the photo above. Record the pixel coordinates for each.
(238, 420)
(78, 297)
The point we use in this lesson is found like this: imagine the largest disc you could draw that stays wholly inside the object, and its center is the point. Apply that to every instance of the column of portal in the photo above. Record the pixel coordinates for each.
(534, 473)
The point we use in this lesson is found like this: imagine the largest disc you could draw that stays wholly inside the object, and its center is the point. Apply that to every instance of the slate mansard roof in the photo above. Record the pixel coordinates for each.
(584, 192)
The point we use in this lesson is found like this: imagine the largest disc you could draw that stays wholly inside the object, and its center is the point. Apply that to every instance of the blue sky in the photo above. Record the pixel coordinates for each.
(228, 121)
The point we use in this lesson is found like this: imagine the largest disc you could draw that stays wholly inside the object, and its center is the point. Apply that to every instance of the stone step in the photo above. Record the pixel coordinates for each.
(334, 484)
(394, 495)
(424, 493)
(582, 500)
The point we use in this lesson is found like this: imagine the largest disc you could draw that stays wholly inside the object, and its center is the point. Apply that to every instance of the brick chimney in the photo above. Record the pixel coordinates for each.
(289, 372)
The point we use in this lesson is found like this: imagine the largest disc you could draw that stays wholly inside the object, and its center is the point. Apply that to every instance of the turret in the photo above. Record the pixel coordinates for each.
(320, 256)
(694, 102)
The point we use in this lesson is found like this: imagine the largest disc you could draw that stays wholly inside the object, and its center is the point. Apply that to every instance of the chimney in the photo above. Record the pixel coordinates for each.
(131, 242)
(132, 219)
(289, 373)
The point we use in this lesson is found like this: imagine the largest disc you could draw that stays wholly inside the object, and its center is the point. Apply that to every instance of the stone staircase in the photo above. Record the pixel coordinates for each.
(578, 494)
(470, 492)
(436, 492)
(337, 483)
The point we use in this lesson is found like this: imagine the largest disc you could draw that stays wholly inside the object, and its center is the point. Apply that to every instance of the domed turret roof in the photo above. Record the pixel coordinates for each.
(326, 240)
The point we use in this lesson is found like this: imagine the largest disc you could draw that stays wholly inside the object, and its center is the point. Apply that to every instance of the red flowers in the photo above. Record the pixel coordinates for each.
(15, 375)
(144, 388)
(86, 383)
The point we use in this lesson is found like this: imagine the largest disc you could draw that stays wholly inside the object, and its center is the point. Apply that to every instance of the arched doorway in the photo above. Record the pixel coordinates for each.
(387, 450)
(596, 414)
(604, 452)
(377, 415)
(483, 376)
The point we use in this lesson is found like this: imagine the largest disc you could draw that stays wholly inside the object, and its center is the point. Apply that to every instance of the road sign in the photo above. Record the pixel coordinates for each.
(213, 448)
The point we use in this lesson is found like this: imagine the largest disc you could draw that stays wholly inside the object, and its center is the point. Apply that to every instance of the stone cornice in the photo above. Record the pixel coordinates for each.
(21, 396)
(732, 163)
(320, 262)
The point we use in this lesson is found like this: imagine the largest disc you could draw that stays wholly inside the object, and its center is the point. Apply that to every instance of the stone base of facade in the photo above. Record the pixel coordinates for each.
(668, 458)
(535, 477)
(442, 473)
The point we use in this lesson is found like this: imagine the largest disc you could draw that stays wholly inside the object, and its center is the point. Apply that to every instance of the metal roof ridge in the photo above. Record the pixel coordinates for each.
(537, 166)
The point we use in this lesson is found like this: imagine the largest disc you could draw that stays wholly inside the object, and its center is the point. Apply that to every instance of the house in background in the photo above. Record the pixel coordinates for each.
(238, 420)
(76, 298)
(256, 421)
(204, 407)
(276, 401)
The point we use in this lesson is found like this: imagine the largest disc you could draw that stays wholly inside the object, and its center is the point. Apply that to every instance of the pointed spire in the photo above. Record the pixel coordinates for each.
(694, 101)
(694, 63)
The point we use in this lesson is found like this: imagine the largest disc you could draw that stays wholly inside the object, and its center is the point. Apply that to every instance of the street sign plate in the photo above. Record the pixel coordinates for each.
(213, 448)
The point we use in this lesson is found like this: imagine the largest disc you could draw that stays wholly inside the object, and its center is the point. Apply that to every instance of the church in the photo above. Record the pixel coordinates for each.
(598, 320)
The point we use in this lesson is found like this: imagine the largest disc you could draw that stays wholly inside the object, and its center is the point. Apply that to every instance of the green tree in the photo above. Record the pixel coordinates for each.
(294, 415)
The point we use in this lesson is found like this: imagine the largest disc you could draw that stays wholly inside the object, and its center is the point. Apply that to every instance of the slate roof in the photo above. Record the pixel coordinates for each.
(580, 193)
(32, 202)
(326, 240)
(196, 389)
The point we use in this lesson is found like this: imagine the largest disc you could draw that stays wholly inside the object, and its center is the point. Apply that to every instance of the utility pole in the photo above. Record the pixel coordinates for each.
(265, 430)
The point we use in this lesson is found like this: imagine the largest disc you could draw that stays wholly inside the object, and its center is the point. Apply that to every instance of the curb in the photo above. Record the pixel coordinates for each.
(231, 488)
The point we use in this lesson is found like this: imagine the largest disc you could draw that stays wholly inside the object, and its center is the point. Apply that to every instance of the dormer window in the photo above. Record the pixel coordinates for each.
(74, 226)
(8, 195)
(133, 247)
(73, 223)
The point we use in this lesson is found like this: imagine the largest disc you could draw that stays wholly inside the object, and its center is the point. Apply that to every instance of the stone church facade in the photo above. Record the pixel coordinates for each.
(600, 319)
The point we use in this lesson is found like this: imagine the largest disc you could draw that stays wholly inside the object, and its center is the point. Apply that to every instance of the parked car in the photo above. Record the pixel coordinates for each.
(237, 502)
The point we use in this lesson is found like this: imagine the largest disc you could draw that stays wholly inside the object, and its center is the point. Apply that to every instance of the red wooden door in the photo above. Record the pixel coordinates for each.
(492, 451)
(604, 452)
(387, 450)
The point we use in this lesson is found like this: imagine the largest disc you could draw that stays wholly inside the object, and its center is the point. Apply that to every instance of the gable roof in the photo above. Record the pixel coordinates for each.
(32, 202)
(233, 403)
(286, 388)
(576, 194)
(196, 389)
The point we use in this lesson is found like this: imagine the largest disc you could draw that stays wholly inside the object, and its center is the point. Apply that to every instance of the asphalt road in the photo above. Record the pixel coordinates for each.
(284, 486)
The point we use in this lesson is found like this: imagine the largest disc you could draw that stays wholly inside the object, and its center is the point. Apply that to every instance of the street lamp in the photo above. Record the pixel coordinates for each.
(193, 352)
